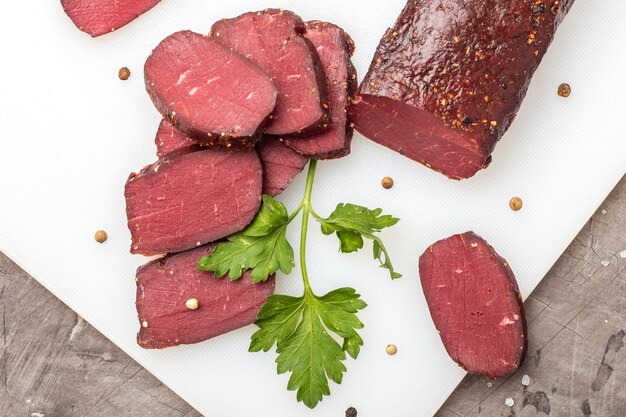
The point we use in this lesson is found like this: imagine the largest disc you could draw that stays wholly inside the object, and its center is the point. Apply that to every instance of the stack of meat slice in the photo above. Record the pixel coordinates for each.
(244, 109)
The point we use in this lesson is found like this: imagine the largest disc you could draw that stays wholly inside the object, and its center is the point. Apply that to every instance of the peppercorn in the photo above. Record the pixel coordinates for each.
(101, 236)
(192, 304)
(123, 73)
(516, 204)
(564, 90)
(351, 412)
(391, 349)
(387, 183)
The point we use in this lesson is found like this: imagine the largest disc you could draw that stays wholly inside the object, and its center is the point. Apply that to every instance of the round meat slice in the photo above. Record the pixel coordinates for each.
(208, 91)
(280, 165)
(475, 304)
(177, 304)
(273, 38)
(189, 199)
(99, 17)
(335, 48)
(169, 139)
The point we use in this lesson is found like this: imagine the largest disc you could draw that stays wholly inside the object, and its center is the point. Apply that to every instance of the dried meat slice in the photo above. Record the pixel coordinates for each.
(280, 165)
(178, 304)
(188, 199)
(274, 40)
(335, 49)
(475, 304)
(208, 91)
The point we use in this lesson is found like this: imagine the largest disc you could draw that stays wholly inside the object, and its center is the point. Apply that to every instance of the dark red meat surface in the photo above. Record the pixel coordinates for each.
(169, 139)
(99, 17)
(273, 39)
(448, 78)
(280, 165)
(335, 49)
(164, 286)
(208, 91)
(475, 304)
(186, 200)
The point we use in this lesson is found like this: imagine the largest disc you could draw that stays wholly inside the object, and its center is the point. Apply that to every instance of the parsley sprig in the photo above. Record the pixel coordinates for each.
(302, 328)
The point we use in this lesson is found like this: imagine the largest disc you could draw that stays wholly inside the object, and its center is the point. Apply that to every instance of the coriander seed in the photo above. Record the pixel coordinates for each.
(192, 304)
(516, 204)
(391, 349)
(101, 236)
(123, 73)
(564, 90)
(387, 183)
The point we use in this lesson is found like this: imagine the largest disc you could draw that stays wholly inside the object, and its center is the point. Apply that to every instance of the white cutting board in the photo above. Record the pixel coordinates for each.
(71, 132)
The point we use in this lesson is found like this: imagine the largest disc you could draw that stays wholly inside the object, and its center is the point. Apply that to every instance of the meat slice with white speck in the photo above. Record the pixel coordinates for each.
(335, 48)
(273, 38)
(187, 199)
(99, 17)
(475, 304)
(208, 91)
(165, 285)
(280, 165)
(169, 139)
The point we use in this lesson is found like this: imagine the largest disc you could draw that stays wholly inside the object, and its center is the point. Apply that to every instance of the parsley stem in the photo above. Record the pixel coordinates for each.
(306, 206)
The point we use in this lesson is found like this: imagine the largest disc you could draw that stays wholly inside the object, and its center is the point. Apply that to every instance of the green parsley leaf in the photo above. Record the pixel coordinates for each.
(298, 327)
(352, 223)
(262, 247)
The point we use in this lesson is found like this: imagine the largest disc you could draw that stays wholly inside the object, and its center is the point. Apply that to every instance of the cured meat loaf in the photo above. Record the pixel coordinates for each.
(273, 39)
(99, 17)
(448, 78)
(475, 304)
(188, 199)
(208, 91)
(334, 48)
(165, 286)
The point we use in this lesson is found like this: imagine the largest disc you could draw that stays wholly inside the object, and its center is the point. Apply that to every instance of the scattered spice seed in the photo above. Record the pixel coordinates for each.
(564, 90)
(392, 349)
(516, 204)
(192, 304)
(123, 73)
(351, 412)
(509, 402)
(101, 236)
(525, 380)
(387, 183)
(144, 324)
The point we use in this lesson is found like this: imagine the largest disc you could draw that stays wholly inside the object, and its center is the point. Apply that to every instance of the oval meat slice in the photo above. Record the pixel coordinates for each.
(273, 39)
(99, 17)
(165, 285)
(169, 139)
(475, 304)
(208, 91)
(335, 48)
(280, 165)
(189, 199)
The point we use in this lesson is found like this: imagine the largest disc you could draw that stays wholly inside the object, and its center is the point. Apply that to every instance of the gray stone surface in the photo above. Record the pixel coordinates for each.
(53, 364)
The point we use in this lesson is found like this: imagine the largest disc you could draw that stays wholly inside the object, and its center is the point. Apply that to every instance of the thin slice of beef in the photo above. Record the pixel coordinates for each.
(165, 285)
(208, 91)
(273, 39)
(335, 49)
(280, 165)
(99, 17)
(170, 140)
(189, 199)
(448, 78)
(475, 304)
